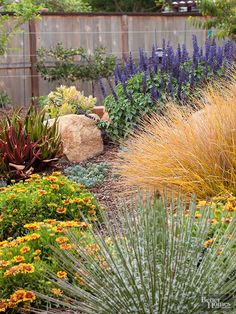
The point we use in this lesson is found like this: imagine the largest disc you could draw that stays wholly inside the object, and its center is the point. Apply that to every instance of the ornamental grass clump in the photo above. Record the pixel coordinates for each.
(190, 153)
(156, 261)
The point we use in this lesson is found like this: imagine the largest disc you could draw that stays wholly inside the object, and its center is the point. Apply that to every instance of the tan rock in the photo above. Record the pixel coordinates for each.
(105, 117)
(80, 136)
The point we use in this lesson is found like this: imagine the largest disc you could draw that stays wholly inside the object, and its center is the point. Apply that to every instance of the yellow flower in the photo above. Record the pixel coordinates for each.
(32, 226)
(35, 176)
(29, 296)
(52, 205)
(56, 173)
(37, 252)
(56, 291)
(208, 243)
(72, 189)
(62, 274)
(198, 215)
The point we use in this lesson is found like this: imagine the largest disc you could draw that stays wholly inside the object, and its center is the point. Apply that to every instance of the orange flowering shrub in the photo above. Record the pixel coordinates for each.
(39, 198)
(23, 261)
(223, 208)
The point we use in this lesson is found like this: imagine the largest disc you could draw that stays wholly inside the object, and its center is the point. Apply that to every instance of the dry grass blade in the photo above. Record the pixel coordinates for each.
(196, 154)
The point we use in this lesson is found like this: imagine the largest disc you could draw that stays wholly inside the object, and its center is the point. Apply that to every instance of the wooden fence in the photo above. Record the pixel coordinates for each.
(119, 33)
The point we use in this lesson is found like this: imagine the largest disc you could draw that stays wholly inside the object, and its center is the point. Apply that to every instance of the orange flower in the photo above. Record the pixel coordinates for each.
(27, 268)
(62, 274)
(18, 259)
(56, 291)
(62, 240)
(4, 263)
(25, 249)
(198, 215)
(3, 305)
(55, 186)
(61, 210)
(18, 296)
(92, 212)
(42, 192)
(67, 201)
(29, 296)
(66, 246)
(51, 179)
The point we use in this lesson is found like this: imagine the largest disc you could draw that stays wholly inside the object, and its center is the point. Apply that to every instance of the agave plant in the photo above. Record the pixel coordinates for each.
(157, 261)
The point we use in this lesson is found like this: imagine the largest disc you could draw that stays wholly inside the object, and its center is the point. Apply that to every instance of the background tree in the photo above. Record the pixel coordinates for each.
(124, 5)
(65, 5)
(223, 16)
(24, 11)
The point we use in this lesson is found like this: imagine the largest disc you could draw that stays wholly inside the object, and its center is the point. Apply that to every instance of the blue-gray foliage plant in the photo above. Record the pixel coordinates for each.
(152, 260)
(90, 175)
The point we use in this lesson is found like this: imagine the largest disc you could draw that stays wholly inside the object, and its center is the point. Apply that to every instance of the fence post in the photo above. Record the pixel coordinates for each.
(33, 60)
(124, 36)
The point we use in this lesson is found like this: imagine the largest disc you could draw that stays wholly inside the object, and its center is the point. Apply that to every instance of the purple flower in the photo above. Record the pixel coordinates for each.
(112, 89)
(102, 87)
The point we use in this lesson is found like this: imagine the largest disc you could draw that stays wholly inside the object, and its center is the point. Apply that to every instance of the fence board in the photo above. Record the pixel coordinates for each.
(118, 33)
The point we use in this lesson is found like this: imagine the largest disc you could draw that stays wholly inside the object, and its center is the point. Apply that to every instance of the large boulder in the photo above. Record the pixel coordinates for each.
(80, 136)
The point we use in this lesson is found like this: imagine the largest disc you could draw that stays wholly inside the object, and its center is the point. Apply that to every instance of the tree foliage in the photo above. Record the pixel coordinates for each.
(24, 11)
(123, 5)
(223, 16)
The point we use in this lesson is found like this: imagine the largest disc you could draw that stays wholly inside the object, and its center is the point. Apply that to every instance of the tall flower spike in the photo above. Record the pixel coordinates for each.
(102, 87)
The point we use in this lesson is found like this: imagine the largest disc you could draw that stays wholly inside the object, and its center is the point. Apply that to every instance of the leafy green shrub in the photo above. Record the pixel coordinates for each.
(66, 100)
(66, 67)
(39, 198)
(25, 260)
(27, 143)
(5, 100)
(157, 262)
(91, 175)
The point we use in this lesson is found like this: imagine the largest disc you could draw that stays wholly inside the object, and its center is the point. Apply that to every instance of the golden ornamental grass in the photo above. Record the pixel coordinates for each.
(190, 153)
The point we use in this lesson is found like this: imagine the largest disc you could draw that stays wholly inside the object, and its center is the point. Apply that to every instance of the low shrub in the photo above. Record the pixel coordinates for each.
(27, 143)
(90, 175)
(39, 198)
(25, 260)
(157, 262)
(5, 100)
(66, 100)
(190, 153)
(146, 87)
